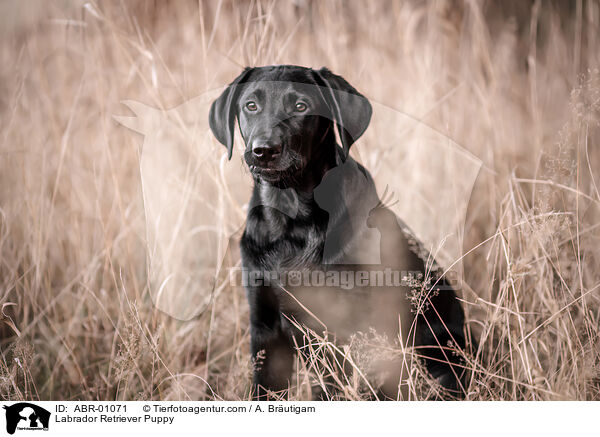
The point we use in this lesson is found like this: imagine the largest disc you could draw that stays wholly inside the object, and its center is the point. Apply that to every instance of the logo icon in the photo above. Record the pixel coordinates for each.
(26, 416)
(195, 206)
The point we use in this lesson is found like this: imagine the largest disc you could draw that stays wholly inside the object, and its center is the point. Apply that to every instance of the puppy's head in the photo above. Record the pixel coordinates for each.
(285, 115)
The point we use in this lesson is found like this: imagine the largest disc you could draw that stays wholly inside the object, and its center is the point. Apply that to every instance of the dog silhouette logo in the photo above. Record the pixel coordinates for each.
(196, 202)
(26, 416)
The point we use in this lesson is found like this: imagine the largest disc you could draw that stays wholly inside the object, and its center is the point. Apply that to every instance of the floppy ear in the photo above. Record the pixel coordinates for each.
(223, 112)
(350, 110)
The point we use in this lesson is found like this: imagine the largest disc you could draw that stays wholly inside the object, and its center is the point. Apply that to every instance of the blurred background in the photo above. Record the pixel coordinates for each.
(516, 83)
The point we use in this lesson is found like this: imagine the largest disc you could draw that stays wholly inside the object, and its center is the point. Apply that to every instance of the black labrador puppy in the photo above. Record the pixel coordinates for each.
(320, 249)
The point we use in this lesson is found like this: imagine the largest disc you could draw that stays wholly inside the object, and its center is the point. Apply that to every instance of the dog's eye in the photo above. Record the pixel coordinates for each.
(301, 106)
(251, 106)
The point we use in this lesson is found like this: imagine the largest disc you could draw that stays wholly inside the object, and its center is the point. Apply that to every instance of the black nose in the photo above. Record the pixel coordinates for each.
(266, 152)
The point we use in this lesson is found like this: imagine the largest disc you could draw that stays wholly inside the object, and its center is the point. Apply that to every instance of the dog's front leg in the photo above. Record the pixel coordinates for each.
(271, 348)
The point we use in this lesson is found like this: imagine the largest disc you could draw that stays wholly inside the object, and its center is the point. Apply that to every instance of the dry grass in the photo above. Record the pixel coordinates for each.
(516, 83)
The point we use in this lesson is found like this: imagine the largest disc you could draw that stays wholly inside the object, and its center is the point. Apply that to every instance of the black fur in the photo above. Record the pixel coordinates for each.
(314, 208)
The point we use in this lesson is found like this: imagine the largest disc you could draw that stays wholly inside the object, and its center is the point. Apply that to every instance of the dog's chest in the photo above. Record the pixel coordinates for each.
(295, 247)
(318, 294)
